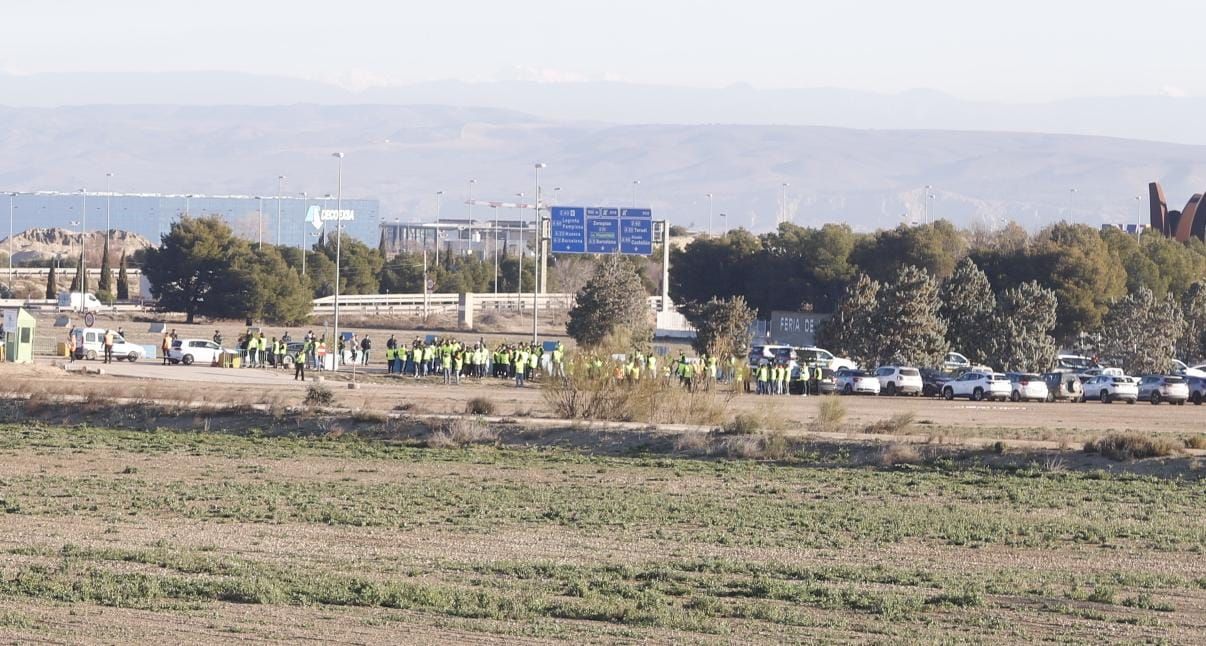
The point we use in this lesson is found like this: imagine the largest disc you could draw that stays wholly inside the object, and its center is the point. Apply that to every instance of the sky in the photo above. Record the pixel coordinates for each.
(1016, 51)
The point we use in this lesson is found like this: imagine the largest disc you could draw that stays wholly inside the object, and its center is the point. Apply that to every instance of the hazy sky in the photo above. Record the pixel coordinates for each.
(1020, 50)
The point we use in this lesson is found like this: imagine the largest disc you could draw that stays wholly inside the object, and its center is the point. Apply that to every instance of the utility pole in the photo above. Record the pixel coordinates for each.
(338, 248)
(280, 186)
(541, 268)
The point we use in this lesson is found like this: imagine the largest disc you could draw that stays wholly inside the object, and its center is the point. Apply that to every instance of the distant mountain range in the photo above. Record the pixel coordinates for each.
(404, 154)
(1156, 118)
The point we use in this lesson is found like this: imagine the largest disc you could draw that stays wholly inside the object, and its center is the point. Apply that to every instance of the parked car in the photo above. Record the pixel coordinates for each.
(1074, 363)
(855, 382)
(828, 383)
(1197, 389)
(813, 356)
(899, 380)
(955, 361)
(1062, 385)
(977, 386)
(190, 351)
(1093, 372)
(1180, 369)
(1027, 386)
(1164, 388)
(1110, 388)
(932, 381)
(90, 344)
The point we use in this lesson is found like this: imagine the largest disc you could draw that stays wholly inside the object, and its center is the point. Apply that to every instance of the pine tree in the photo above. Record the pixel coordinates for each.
(52, 286)
(1019, 337)
(1137, 332)
(722, 326)
(968, 306)
(381, 244)
(910, 329)
(123, 281)
(850, 330)
(613, 302)
(75, 280)
(82, 273)
(104, 286)
(1192, 345)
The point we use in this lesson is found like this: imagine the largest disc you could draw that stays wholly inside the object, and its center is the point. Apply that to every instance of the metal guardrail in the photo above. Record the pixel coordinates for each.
(386, 304)
(63, 271)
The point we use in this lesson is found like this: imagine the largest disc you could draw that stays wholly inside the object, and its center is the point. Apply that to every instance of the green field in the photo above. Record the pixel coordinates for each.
(128, 535)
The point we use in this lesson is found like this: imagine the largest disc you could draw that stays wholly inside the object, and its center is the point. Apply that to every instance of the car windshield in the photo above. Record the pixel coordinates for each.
(1123, 380)
(1173, 380)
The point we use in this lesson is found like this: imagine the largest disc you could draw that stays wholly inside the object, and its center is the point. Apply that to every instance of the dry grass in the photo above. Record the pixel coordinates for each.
(831, 414)
(462, 431)
(693, 443)
(894, 454)
(582, 395)
(1196, 442)
(898, 424)
(1132, 446)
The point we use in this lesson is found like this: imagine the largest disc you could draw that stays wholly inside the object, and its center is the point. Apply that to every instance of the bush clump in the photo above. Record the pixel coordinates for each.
(742, 424)
(1132, 446)
(480, 406)
(319, 395)
(830, 415)
(895, 454)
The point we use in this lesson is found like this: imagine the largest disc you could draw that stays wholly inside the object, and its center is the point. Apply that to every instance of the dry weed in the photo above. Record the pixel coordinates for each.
(894, 454)
(830, 415)
(1132, 446)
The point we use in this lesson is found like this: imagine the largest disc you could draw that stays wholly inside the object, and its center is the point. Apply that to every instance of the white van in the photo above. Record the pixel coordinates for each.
(90, 344)
(79, 302)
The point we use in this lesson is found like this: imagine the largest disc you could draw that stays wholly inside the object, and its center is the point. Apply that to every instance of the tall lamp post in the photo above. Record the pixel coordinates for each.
(11, 197)
(305, 206)
(635, 184)
(259, 229)
(495, 250)
(83, 246)
(438, 195)
(108, 201)
(471, 183)
(540, 256)
(280, 186)
(338, 248)
(709, 196)
(1138, 217)
(928, 188)
(783, 217)
(522, 252)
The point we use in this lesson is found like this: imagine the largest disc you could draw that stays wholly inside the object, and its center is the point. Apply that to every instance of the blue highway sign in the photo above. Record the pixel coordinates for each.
(576, 229)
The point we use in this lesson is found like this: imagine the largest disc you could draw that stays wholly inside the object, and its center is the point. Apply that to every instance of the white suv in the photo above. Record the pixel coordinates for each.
(1110, 388)
(1161, 388)
(899, 380)
(1027, 386)
(813, 356)
(190, 351)
(978, 386)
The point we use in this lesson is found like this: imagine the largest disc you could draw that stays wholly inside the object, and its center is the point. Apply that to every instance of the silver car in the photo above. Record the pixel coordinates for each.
(1164, 388)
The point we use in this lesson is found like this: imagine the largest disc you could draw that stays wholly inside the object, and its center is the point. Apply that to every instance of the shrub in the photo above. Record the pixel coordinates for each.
(898, 424)
(894, 454)
(462, 431)
(830, 415)
(742, 424)
(692, 443)
(480, 406)
(370, 417)
(319, 395)
(1132, 446)
(1196, 442)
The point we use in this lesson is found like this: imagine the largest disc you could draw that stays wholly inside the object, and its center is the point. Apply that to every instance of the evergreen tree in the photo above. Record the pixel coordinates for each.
(722, 326)
(381, 243)
(1138, 332)
(1192, 346)
(123, 281)
(52, 286)
(104, 286)
(1019, 336)
(82, 274)
(851, 330)
(75, 280)
(910, 329)
(612, 303)
(967, 306)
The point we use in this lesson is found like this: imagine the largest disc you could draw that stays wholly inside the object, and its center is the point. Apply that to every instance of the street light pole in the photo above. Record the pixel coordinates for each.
(709, 196)
(471, 183)
(280, 186)
(83, 245)
(260, 224)
(783, 217)
(928, 188)
(540, 267)
(437, 231)
(11, 197)
(495, 250)
(1138, 217)
(635, 184)
(305, 206)
(108, 200)
(522, 252)
(338, 248)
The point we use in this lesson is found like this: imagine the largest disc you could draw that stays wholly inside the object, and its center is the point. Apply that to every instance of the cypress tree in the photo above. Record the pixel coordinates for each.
(75, 280)
(52, 287)
(105, 285)
(123, 281)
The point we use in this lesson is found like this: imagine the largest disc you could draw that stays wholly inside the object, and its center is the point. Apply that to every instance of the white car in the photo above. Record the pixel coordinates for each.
(90, 344)
(955, 361)
(190, 351)
(899, 380)
(1074, 363)
(1197, 389)
(1179, 368)
(1110, 388)
(977, 386)
(1164, 388)
(1027, 386)
(856, 382)
(812, 356)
